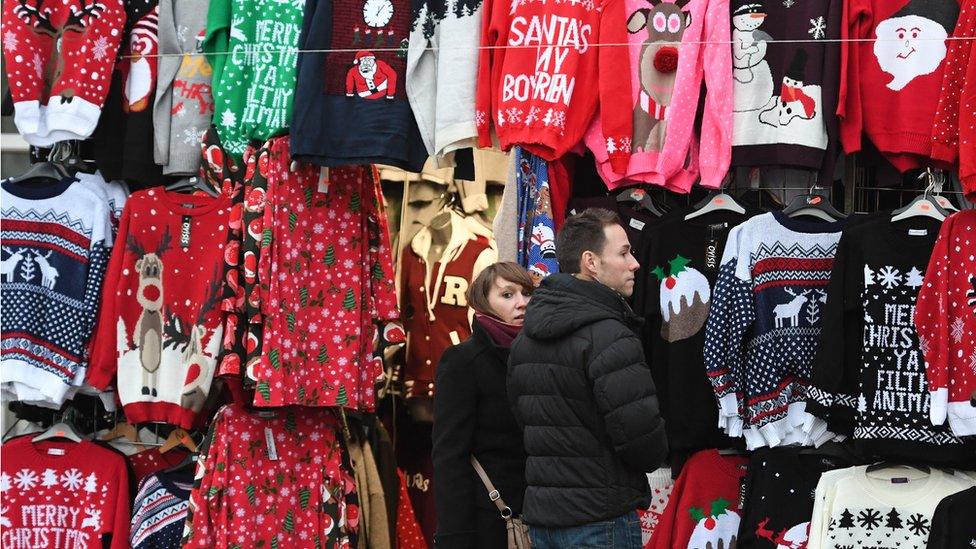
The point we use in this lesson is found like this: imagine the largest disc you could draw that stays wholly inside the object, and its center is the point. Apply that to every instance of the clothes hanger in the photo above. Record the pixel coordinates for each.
(72, 161)
(191, 184)
(641, 198)
(124, 430)
(178, 437)
(187, 462)
(717, 200)
(889, 464)
(62, 429)
(47, 170)
(833, 449)
(923, 205)
(813, 205)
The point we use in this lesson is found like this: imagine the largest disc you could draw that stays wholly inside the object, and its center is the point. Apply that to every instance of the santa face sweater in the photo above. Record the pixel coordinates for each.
(351, 106)
(891, 75)
(63, 495)
(59, 58)
(764, 327)
(888, 508)
(945, 317)
(159, 327)
(54, 261)
(869, 381)
(704, 510)
(160, 510)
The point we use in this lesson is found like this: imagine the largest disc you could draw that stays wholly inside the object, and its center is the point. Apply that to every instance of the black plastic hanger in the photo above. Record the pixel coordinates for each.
(641, 198)
(813, 205)
(45, 171)
(192, 184)
(888, 464)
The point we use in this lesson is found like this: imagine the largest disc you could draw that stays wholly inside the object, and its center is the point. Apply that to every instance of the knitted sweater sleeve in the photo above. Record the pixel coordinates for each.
(932, 324)
(490, 64)
(616, 116)
(104, 356)
(98, 257)
(831, 83)
(715, 154)
(120, 521)
(732, 313)
(855, 24)
(945, 128)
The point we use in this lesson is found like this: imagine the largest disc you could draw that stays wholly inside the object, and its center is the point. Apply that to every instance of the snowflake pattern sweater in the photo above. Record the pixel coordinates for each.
(54, 261)
(159, 326)
(945, 317)
(59, 58)
(764, 327)
(160, 510)
(63, 495)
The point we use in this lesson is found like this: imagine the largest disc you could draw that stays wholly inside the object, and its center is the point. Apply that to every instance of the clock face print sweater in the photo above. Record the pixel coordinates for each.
(869, 381)
(764, 327)
(945, 317)
(159, 328)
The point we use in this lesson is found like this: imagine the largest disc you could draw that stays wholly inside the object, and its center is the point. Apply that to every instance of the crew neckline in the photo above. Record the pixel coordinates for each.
(39, 449)
(900, 236)
(202, 205)
(899, 495)
(171, 480)
(38, 192)
(813, 227)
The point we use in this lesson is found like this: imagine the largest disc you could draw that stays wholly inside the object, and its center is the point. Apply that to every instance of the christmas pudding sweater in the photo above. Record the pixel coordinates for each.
(945, 316)
(952, 522)
(53, 263)
(891, 75)
(59, 58)
(540, 76)
(786, 63)
(351, 105)
(160, 510)
(704, 510)
(764, 327)
(159, 327)
(869, 381)
(892, 507)
(663, 82)
(63, 495)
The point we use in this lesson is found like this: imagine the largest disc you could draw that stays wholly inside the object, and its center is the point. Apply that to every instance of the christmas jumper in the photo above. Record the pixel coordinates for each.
(764, 327)
(434, 299)
(116, 193)
(673, 292)
(536, 76)
(330, 280)
(945, 317)
(59, 58)
(63, 494)
(184, 104)
(952, 522)
(272, 479)
(55, 260)
(661, 487)
(253, 86)
(778, 496)
(159, 328)
(891, 74)
(535, 233)
(664, 82)
(351, 105)
(892, 507)
(151, 461)
(442, 73)
(869, 381)
(704, 509)
(786, 63)
(160, 510)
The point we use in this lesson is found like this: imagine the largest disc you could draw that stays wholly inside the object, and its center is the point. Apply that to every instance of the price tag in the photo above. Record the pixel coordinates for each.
(637, 224)
(185, 227)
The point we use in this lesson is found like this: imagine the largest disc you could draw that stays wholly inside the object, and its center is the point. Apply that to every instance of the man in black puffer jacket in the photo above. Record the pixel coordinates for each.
(583, 394)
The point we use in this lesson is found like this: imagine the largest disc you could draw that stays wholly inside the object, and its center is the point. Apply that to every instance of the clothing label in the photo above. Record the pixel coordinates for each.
(742, 493)
(56, 451)
(185, 226)
(266, 414)
(323, 180)
(572, 212)
(711, 254)
(269, 440)
(918, 232)
(899, 480)
(718, 226)
(637, 224)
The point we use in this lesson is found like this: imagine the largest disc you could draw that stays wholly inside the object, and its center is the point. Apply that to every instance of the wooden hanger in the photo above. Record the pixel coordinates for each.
(124, 430)
(178, 437)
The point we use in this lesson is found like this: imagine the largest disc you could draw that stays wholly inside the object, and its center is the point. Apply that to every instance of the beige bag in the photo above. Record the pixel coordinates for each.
(518, 531)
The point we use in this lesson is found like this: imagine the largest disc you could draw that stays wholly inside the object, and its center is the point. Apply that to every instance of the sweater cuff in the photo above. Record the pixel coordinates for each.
(712, 176)
(945, 152)
(619, 162)
(939, 406)
(728, 405)
(27, 117)
(99, 378)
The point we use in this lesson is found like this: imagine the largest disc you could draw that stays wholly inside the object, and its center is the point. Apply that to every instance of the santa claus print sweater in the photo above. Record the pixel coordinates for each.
(59, 58)
(159, 327)
(63, 495)
(53, 262)
(945, 317)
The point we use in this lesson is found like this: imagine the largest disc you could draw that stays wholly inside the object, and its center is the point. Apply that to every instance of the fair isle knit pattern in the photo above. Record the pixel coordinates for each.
(159, 513)
(53, 263)
(765, 328)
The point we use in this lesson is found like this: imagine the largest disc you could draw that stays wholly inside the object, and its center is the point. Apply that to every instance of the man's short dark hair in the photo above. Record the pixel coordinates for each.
(580, 233)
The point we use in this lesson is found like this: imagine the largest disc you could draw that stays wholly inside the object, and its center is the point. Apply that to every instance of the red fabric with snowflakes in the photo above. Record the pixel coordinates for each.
(62, 494)
(329, 280)
(272, 482)
(152, 461)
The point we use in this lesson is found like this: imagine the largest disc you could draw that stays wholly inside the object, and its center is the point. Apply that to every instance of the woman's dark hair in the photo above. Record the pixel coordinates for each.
(507, 270)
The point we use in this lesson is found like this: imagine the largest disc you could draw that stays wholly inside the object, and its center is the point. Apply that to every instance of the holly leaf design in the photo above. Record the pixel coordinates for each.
(659, 273)
(696, 514)
(678, 264)
(719, 507)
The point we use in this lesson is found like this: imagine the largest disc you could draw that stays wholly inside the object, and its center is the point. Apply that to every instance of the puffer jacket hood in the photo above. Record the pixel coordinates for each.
(563, 304)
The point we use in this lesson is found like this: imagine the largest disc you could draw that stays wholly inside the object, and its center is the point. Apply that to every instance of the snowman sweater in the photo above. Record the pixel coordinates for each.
(704, 510)
(945, 316)
(159, 327)
(63, 494)
(53, 263)
(764, 327)
(891, 75)
(869, 382)
(59, 58)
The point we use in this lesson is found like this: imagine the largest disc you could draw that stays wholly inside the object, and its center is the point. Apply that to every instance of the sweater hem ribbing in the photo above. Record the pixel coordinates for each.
(22, 373)
(164, 412)
(902, 142)
(962, 419)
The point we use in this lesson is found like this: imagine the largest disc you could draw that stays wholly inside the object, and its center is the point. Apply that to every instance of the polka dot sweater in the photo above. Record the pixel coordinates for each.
(764, 327)
(59, 58)
(945, 317)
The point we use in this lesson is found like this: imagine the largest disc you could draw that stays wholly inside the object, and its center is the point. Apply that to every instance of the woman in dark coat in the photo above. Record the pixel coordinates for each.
(472, 416)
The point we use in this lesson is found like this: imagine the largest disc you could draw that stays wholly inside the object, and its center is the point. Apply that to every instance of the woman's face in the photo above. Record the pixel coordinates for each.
(508, 301)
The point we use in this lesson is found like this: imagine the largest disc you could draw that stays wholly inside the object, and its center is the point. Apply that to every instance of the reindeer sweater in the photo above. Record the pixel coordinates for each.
(159, 327)
(52, 267)
(764, 327)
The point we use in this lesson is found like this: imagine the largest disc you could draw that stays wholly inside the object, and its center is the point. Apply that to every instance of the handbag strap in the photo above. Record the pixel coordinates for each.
(493, 494)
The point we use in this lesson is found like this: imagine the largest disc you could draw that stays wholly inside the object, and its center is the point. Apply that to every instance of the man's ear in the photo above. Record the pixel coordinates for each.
(588, 262)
